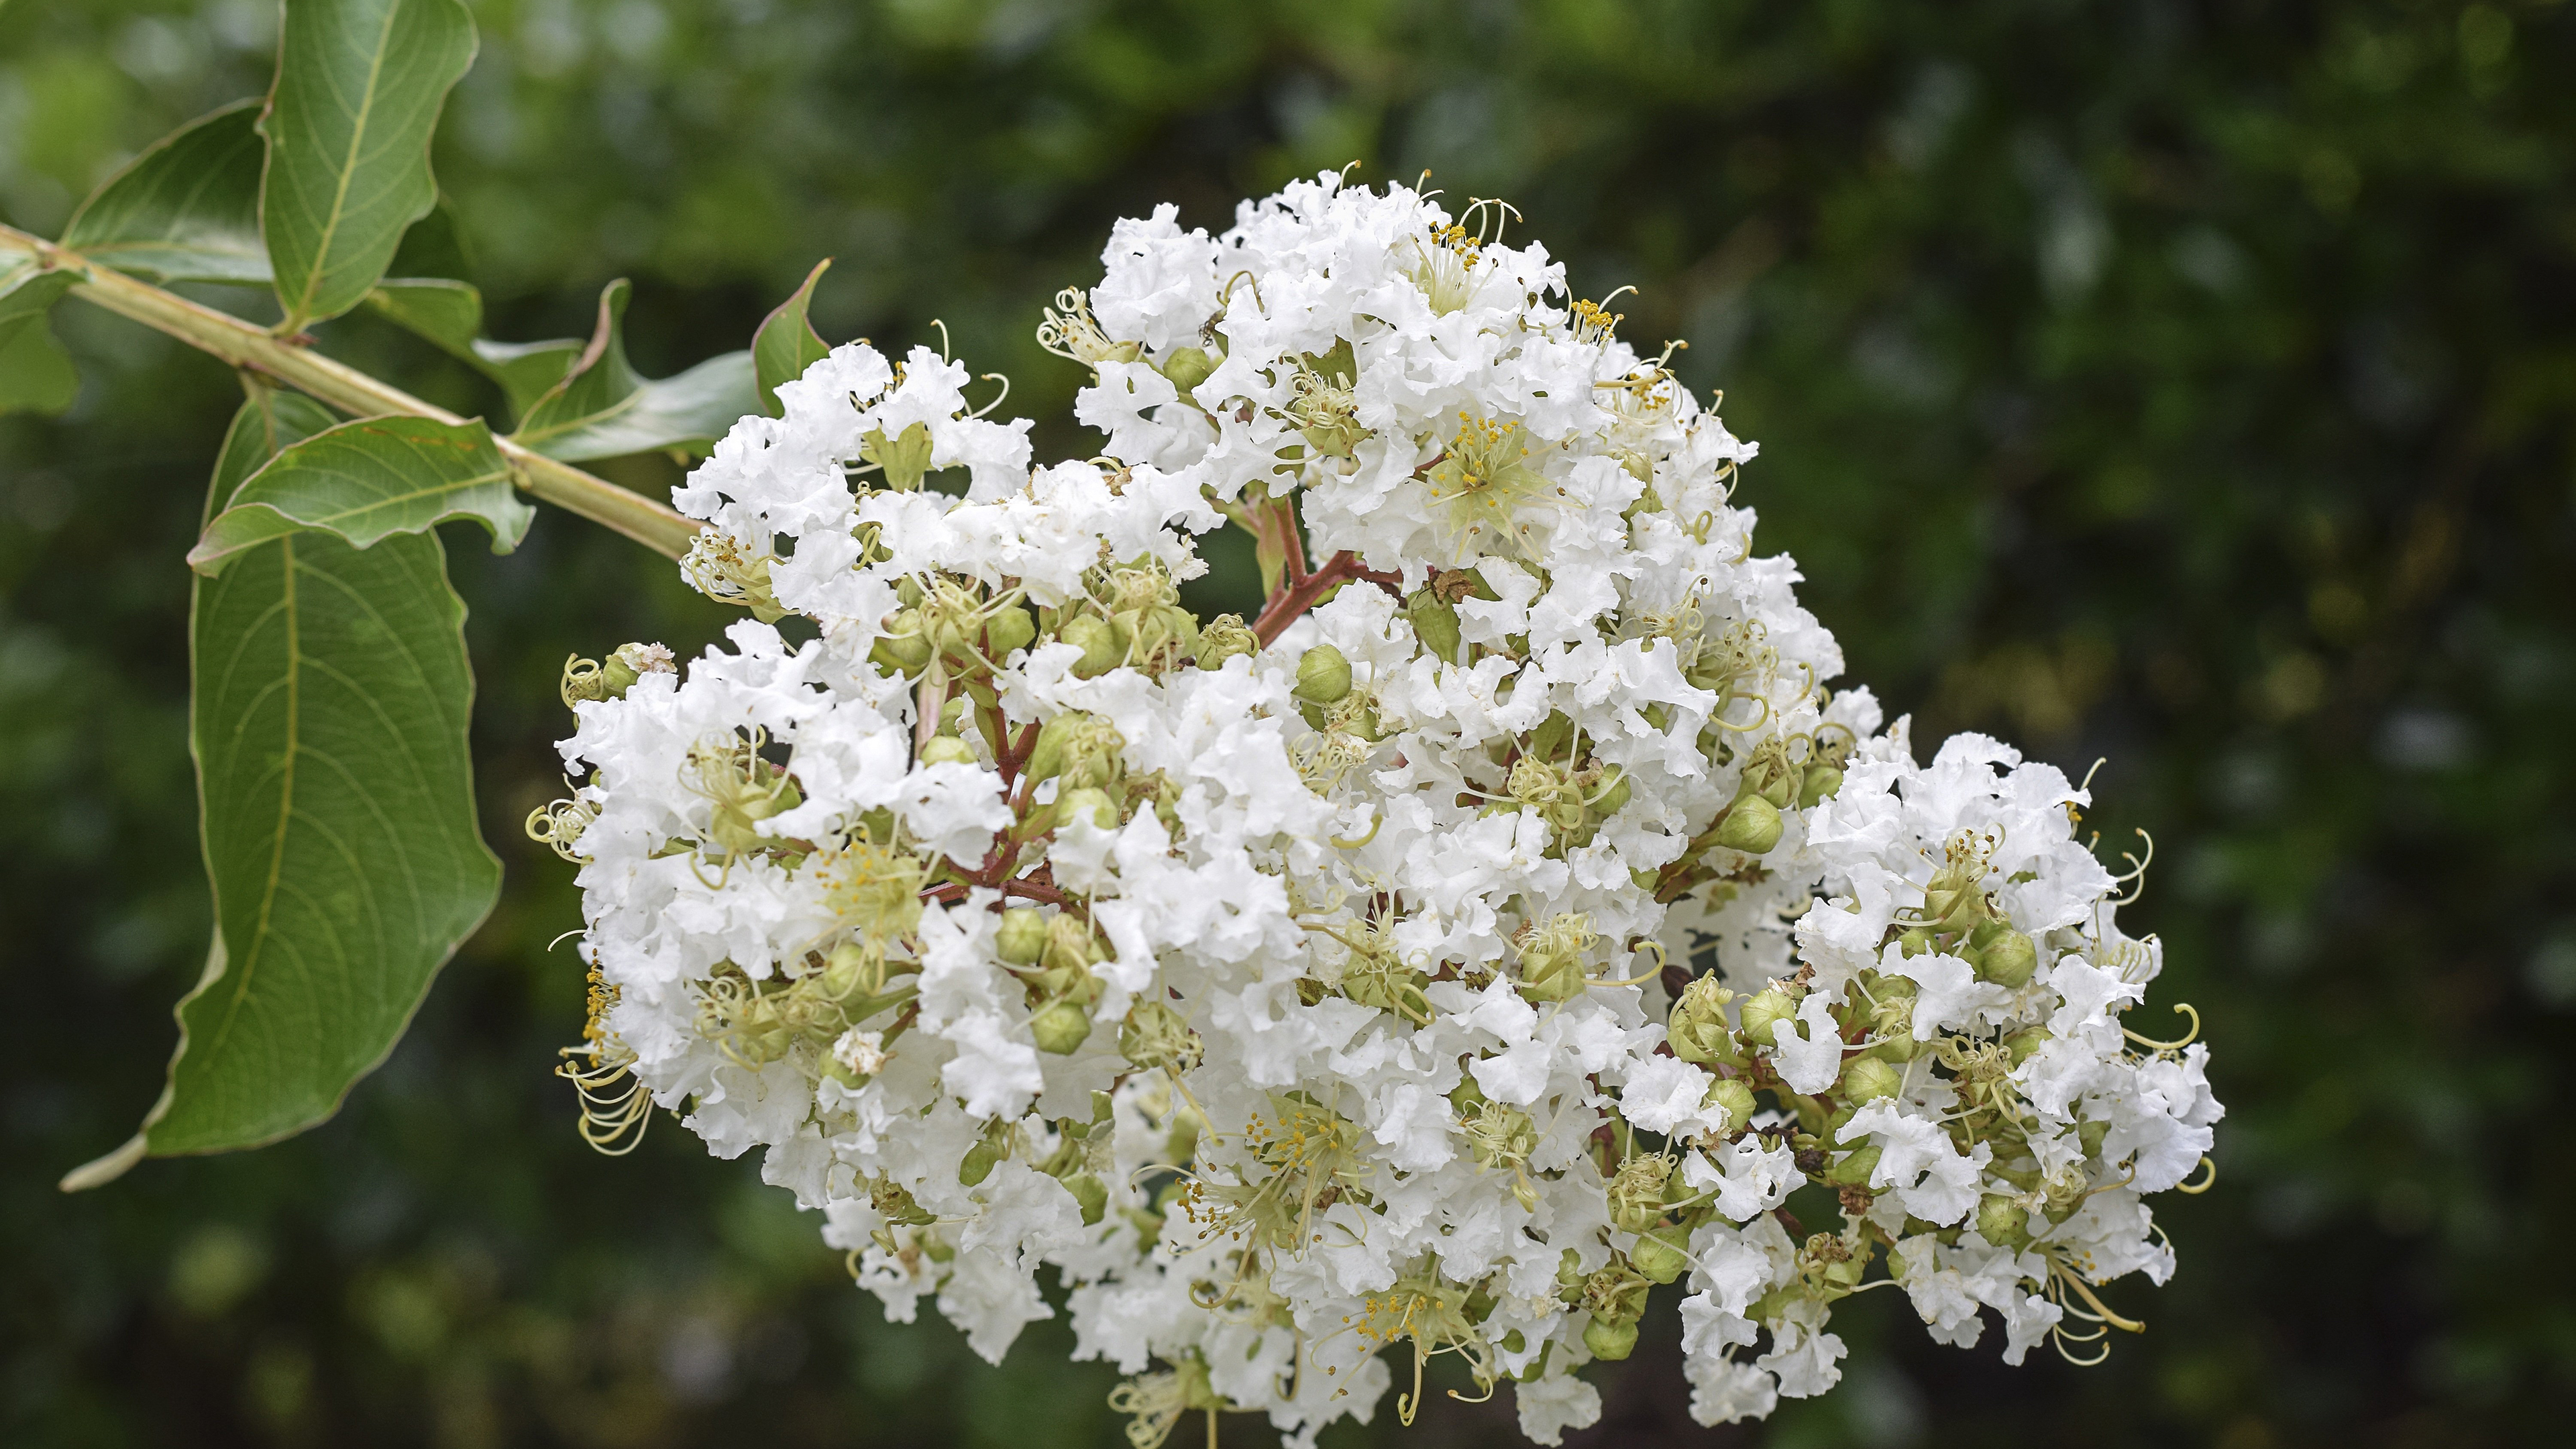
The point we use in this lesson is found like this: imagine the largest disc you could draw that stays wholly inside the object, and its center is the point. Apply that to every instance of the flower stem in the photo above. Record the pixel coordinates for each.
(254, 349)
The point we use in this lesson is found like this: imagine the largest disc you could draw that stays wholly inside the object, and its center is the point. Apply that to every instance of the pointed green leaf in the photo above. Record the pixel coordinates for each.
(187, 209)
(449, 313)
(328, 721)
(358, 90)
(366, 480)
(786, 343)
(36, 375)
(604, 409)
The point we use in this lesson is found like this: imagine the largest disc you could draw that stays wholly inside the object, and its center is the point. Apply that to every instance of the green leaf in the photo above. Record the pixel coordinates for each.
(604, 409)
(358, 90)
(187, 209)
(450, 313)
(36, 375)
(367, 480)
(786, 343)
(336, 794)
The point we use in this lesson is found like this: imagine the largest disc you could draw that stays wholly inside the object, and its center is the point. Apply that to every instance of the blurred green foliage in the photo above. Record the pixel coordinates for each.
(2187, 384)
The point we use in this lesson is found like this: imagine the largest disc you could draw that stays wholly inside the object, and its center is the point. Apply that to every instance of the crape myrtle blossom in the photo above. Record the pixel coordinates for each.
(1509, 920)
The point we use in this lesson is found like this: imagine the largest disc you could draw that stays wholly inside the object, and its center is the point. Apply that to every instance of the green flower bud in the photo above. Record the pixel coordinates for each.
(1821, 783)
(979, 1162)
(1767, 1009)
(947, 750)
(1435, 623)
(1091, 803)
(2008, 961)
(1007, 631)
(2022, 1043)
(1061, 1029)
(1853, 1168)
(904, 648)
(1224, 637)
(1097, 638)
(1737, 1098)
(852, 967)
(1659, 1255)
(1022, 937)
(1091, 1193)
(1866, 1079)
(1187, 367)
(1323, 675)
(1752, 825)
(1610, 1341)
(2003, 1222)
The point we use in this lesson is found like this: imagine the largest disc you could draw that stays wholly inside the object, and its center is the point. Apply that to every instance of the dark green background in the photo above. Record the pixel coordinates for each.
(2186, 384)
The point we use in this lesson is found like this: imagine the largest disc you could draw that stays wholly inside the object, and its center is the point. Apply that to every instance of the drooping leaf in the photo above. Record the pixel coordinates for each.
(336, 795)
(450, 313)
(187, 209)
(787, 343)
(365, 481)
(605, 409)
(36, 375)
(358, 90)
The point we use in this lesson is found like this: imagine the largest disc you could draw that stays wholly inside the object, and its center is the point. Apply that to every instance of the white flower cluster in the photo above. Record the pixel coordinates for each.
(1507, 921)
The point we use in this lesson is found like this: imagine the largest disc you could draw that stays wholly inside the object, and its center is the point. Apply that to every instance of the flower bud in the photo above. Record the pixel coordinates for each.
(1435, 623)
(1821, 783)
(979, 1162)
(2022, 1043)
(1853, 1168)
(947, 750)
(1070, 946)
(1061, 1029)
(903, 648)
(1767, 1008)
(1008, 631)
(1323, 675)
(1097, 638)
(851, 968)
(1224, 637)
(1752, 825)
(1022, 937)
(1737, 1098)
(1088, 803)
(1866, 1079)
(1187, 367)
(1659, 1255)
(2008, 960)
(1610, 1341)
(2003, 1222)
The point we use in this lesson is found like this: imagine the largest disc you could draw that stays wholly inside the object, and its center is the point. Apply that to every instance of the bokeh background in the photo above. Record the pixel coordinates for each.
(2182, 384)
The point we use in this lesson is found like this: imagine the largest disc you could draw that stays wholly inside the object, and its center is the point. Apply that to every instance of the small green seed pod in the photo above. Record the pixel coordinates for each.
(1007, 632)
(1821, 783)
(1187, 367)
(1022, 937)
(1610, 1341)
(2008, 960)
(1098, 640)
(1090, 803)
(1323, 675)
(947, 750)
(1736, 1098)
(2003, 1222)
(1764, 1012)
(1061, 1029)
(1752, 825)
(1866, 1079)
(1659, 1255)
